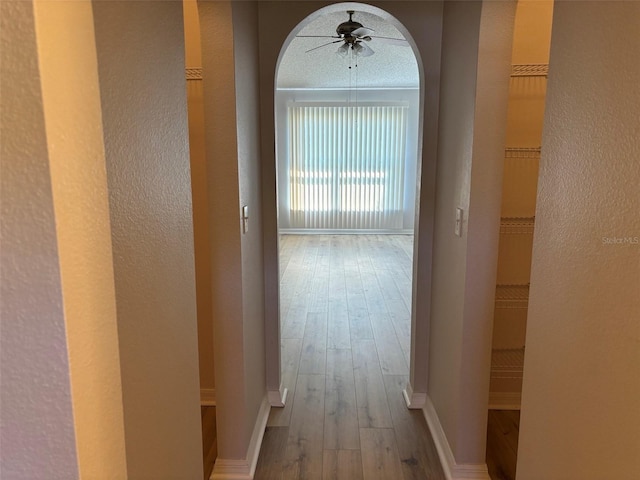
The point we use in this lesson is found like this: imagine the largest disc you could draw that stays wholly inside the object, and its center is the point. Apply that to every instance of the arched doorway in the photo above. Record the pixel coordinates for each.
(425, 169)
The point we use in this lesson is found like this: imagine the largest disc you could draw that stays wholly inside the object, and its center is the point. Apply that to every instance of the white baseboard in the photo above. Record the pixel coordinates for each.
(227, 469)
(208, 397)
(414, 400)
(452, 470)
(277, 398)
(345, 231)
(470, 472)
(505, 400)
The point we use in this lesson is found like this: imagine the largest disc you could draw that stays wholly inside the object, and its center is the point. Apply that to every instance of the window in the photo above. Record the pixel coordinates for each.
(346, 166)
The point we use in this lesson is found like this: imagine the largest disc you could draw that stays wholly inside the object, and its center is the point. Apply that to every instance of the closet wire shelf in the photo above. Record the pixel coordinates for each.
(517, 225)
(193, 73)
(530, 70)
(522, 152)
(512, 296)
(507, 363)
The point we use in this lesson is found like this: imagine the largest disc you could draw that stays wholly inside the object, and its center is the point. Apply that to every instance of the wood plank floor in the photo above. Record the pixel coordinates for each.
(345, 309)
(209, 443)
(502, 443)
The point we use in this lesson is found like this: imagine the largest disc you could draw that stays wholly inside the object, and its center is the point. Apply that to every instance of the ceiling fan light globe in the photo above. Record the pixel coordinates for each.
(343, 50)
(357, 49)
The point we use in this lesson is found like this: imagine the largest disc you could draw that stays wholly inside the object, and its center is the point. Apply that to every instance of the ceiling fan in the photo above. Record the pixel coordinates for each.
(353, 36)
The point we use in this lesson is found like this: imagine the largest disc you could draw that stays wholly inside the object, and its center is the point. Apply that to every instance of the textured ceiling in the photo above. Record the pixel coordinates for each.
(390, 66)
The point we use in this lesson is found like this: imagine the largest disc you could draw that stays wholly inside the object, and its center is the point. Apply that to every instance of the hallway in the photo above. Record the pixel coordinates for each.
(346, 330)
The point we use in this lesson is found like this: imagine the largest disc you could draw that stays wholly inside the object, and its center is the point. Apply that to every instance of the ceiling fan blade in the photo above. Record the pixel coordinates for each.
(362, 32)
(401, 42)
(317, 36)
(323, 45)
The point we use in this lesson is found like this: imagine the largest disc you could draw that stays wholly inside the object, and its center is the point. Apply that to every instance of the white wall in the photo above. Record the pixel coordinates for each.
(36, 391)
(476, 57)
(230, 59)
(140, 51)
(245, 33)
(224, 222)
(71, 98)
(581, 392)
(98, 303)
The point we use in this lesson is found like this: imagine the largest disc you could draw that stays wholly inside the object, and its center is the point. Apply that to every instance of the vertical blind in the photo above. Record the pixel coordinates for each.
(346, 166)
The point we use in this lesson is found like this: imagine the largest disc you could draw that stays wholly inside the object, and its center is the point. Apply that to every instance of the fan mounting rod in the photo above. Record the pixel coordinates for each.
(345, 29)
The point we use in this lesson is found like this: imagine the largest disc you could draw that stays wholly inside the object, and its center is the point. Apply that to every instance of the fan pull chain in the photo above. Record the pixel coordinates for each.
(356, 83)
(357, 113)
(350, 81)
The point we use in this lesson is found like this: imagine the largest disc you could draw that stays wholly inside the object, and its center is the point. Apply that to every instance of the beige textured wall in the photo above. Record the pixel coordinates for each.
(245, 36)
(216, 26)
(78, 178)
(459, 53)
(496, 37)
(230, 70)
(36, 393)
(476, 56)
(580, 415)
(193, 50)
(202, 246)
(532, 33)
(140, 51)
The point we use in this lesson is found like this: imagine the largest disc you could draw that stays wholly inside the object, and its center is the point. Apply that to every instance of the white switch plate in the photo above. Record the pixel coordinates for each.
(245, 218)
(459, 215)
